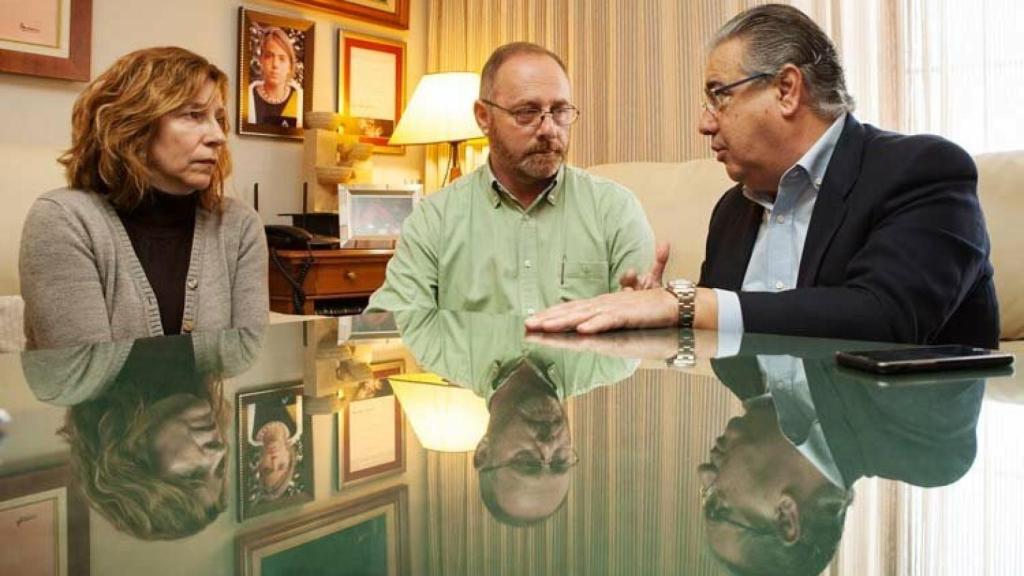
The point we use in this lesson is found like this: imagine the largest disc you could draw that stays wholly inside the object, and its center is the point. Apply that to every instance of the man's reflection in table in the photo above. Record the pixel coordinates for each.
(765, 504)
(146, 425)
(781, 476)
(525, 459)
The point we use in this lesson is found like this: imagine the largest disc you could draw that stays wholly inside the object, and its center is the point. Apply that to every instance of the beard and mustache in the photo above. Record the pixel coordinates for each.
(540, 161)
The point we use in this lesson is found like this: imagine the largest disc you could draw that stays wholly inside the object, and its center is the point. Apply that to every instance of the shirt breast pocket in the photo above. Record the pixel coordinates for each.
(584, 279)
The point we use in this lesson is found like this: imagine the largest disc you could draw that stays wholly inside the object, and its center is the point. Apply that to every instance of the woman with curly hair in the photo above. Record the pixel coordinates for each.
(143, 236)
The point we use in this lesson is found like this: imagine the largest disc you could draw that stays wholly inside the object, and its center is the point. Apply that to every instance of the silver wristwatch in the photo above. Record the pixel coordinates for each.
(685, 292)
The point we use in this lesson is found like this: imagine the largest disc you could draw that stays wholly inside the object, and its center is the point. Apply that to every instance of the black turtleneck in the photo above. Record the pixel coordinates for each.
(161, 229)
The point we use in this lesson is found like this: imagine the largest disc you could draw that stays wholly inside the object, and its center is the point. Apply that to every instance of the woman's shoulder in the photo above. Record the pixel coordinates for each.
(82, 203)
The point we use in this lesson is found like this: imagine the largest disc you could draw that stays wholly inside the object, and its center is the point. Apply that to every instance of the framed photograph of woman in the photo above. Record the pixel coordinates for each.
(275, 450)
(371, 94)
(275, 75)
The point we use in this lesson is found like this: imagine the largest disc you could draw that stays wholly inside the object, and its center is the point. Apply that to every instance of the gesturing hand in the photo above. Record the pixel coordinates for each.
(652, 279)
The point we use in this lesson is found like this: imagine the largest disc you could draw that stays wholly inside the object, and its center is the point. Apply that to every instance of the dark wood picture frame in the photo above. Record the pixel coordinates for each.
(346, 475)
(302, 33)
(251, 501)
(253, 548)
(398, 18)
(76, 512)
(76, 66)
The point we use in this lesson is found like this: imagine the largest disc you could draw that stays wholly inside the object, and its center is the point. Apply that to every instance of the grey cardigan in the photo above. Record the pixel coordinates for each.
(82, 282)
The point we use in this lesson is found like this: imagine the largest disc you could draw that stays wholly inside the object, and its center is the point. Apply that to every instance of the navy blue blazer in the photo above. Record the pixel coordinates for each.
(896, 250)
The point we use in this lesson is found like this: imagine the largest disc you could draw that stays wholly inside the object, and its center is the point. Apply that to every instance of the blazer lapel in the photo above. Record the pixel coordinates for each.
(830, 207)
(735, 255)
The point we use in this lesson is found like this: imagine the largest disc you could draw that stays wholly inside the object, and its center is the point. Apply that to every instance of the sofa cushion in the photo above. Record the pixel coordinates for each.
(1000, 178)
(678, 199)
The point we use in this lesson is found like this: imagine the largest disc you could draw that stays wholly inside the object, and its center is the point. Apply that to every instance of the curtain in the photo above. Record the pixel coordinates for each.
(949, 67)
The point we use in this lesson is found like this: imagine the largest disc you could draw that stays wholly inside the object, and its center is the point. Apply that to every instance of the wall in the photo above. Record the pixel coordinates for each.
(35, 112)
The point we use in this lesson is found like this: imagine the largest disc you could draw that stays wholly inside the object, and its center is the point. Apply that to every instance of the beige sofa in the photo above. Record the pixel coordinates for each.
(678, 199)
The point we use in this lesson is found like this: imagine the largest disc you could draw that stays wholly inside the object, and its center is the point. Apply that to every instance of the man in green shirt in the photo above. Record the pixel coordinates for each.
(524, 231)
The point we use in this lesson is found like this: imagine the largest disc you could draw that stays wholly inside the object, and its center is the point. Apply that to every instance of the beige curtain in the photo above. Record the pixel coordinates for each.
(950, 67)
(634, 65)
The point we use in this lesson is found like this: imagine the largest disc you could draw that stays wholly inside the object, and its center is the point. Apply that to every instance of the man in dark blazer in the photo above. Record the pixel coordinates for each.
(835, 229)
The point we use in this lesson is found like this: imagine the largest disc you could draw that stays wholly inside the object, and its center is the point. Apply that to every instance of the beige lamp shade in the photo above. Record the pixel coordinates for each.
(445, 418)
(441, 110)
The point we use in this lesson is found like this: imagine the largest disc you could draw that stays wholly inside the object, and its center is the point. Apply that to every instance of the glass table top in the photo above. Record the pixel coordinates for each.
(446, 443)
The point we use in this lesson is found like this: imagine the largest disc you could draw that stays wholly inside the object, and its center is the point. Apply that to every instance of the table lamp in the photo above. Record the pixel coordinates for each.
(441, 110)
(445, 418)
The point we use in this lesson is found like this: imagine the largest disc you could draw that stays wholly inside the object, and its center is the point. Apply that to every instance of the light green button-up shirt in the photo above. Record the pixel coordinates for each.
(471, 246)
(476, 350)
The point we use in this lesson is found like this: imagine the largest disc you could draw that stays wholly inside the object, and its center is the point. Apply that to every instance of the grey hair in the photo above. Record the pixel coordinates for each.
(775, 35)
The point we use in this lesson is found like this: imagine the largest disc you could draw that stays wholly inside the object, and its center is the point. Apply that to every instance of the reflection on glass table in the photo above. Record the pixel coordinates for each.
(525, 455)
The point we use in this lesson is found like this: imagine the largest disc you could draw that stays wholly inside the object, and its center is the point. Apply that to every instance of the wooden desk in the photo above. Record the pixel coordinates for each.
(333, 275)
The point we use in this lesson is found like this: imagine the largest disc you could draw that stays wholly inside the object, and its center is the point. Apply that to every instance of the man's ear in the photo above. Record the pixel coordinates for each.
(483, 117)
(481, 453)
(791, 90)
(787, 519)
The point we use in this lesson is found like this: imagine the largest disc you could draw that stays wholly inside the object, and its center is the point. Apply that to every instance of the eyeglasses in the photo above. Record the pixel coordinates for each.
(531, 464)
(529, 116)
(716, 98)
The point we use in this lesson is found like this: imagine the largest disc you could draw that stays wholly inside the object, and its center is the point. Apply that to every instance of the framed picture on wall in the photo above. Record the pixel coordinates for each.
(48, 38)
(392, 13)
(366, 536)
(275, 73)
(371, 94)
(371, 428)
(44, 524)
(275, 450)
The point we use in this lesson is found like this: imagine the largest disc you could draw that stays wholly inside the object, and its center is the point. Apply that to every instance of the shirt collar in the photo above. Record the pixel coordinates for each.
(813, 163)
(496, 190)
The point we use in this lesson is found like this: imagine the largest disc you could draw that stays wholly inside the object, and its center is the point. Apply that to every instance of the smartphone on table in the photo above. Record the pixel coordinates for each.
(923, 359)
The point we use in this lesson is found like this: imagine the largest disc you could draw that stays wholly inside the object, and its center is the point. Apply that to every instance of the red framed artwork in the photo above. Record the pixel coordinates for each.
(371, 96)
(47, 38)
(371, 428)
(391, 13)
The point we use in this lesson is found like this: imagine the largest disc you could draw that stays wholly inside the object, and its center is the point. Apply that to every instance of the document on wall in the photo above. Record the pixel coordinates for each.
(373, 90)
(372, 432)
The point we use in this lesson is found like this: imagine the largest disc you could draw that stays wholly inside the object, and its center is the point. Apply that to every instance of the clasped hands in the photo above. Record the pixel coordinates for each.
(642, 302)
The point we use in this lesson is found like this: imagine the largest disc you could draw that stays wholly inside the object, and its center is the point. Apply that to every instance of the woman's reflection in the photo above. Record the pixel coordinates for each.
(146, 425)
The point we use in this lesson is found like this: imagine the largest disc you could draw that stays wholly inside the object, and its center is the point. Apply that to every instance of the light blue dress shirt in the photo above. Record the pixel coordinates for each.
(775, 261)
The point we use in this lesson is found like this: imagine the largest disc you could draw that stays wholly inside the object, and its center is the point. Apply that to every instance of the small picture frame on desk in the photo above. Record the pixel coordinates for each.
(375, 213)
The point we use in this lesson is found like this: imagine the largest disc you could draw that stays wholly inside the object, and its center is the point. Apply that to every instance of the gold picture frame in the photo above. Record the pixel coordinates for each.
(265, 117)
(371, 532)
(391, 13)
(275, 466)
